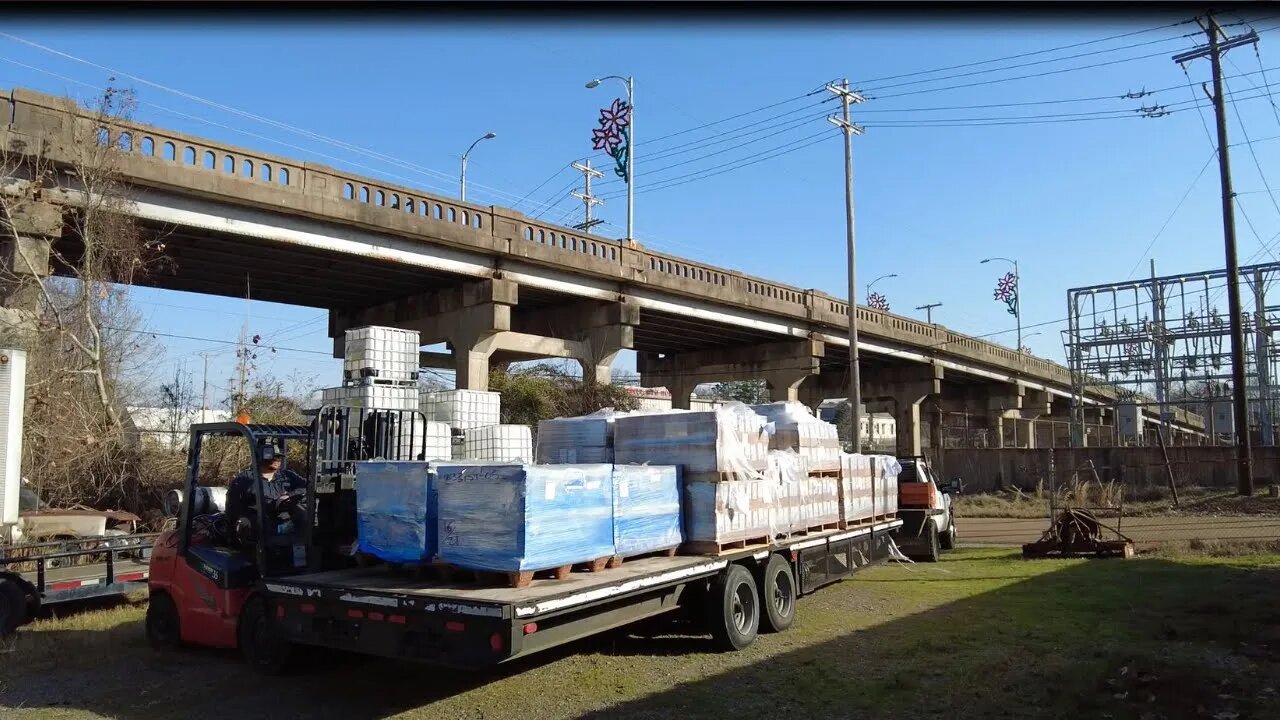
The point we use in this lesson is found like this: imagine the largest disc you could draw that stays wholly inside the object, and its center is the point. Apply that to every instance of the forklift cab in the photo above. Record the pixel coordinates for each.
(234, 551)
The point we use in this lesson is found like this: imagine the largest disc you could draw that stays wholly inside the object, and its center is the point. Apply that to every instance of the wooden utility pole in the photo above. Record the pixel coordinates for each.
(1214, 50)
(846, 125)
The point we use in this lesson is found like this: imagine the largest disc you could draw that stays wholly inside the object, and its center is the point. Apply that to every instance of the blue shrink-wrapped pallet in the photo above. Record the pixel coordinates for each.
(396, 511)
(646, 508)
(515, 517)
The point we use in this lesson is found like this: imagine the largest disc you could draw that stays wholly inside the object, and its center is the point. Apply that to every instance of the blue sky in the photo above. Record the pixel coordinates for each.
(1076, 202)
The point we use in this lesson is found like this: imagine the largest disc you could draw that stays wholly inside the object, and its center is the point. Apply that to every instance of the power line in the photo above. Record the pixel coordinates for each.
(1025, 54)
(1030, 64)
(1244, 131)
(1169, 219)
(735, 117)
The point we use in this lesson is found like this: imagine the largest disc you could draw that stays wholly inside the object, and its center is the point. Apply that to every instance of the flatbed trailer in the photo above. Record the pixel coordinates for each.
(376, 611)
(35, 575)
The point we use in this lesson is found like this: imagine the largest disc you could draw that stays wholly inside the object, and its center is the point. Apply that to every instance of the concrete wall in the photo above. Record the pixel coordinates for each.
(1138, 468)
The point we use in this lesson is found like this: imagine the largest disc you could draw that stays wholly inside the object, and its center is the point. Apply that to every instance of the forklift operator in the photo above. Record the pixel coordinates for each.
(277, 484)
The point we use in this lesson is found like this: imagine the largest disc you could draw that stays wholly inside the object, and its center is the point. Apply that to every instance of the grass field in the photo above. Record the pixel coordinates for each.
(983, 634)
(1194, 501)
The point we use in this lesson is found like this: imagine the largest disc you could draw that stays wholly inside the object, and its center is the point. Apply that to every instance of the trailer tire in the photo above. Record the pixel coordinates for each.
(264, 650)
(778, 595)
(734, 608)
(948, 539)
(13, 606)
(931, 548)
(164, 624)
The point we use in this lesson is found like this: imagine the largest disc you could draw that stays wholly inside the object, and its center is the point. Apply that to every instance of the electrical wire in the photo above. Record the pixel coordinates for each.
(1031, 64)
(1169, 219)
(1026, 54)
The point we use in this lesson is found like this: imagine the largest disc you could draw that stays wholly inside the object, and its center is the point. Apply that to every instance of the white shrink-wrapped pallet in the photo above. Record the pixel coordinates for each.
(573, 440)
(383, 352)
(728, 442)
(499, 443)
(464, 409)
(859, 476)
(803, 501)
(721, 513)
(796, 428)
(371, 397)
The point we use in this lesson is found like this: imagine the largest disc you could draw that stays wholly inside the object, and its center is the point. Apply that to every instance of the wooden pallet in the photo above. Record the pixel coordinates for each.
(617, 560)
(705, 547)
(811, 530)
(867, 522)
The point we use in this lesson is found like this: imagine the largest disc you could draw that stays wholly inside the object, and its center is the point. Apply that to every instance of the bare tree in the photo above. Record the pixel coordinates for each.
(98, 244)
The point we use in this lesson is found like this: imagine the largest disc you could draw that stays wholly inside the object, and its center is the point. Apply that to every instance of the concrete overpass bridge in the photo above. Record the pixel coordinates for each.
(497, 286)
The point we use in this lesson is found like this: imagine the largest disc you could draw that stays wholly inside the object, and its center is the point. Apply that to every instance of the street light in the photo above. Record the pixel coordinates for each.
(873, 282)
(631, 147)
(487, 136)
(1028, 337)
(1017, 294)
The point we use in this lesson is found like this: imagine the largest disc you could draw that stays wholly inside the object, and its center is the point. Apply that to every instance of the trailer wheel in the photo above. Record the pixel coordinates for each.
(263, 648)
(932, 549)
(734, 606)
(948, 539)
(778, 595)
(164, 625)
(13, 606)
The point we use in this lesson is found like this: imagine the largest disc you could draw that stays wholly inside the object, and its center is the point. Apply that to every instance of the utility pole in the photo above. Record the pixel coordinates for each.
(588, 200)
(204, 394)
(928, 309)
(1214, 50)
(847, 97)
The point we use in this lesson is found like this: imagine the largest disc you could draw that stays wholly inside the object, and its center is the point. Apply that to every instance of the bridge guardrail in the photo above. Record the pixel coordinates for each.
(154, 154)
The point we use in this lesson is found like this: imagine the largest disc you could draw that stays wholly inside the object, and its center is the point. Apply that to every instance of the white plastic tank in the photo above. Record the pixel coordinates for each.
(13, 388)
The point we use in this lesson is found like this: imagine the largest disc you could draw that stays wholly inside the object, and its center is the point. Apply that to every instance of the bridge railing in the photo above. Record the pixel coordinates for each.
(165, 159)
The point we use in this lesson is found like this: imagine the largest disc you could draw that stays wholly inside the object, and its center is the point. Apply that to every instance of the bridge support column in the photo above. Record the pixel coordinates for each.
(782, 365)
(483, 327)
(29, 232)
(904, 388)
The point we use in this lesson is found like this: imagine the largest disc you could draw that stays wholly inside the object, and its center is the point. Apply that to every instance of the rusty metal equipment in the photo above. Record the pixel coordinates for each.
(1078, 533)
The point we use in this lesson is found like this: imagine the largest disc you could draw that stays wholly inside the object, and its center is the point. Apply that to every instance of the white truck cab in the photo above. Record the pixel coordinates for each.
(924, 505)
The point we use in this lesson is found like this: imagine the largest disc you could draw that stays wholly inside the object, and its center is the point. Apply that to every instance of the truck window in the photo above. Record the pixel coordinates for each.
(909, 473)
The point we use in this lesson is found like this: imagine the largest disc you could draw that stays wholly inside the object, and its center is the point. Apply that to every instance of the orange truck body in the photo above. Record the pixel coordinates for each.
(917, 495)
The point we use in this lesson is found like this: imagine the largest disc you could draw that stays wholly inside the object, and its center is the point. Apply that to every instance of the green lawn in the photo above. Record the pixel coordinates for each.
(983, 634)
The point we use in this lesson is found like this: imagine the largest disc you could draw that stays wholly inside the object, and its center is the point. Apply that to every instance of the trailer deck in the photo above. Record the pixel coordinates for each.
(543, 596)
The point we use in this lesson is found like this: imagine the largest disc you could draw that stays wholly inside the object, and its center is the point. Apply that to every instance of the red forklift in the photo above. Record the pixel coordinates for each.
(205, 573)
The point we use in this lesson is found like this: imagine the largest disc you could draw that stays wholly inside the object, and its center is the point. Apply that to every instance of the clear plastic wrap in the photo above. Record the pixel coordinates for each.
(499, 444)
(803, 501)
(396, 511)
(646, 508)
(509, 518)
(795, 428)
(726, 512)
(730, 442)
(857, 472)
(584, 439)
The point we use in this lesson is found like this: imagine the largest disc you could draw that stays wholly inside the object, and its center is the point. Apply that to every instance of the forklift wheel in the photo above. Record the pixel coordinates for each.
(13, 606)
(263, 648)
(164, 626)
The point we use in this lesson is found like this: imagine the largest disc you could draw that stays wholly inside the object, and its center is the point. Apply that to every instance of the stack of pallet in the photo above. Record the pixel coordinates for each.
(380, 371)
(724, 456)
(868, 487)
(585, 439)
(795, 428)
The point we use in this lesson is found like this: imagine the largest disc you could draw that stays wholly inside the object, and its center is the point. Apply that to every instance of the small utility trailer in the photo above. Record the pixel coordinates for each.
(35, 575)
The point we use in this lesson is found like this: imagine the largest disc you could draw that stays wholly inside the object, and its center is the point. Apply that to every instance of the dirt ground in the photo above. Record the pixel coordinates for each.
(981, 635)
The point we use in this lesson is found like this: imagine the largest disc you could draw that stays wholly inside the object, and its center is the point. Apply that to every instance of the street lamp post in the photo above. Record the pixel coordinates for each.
(463, 190)
(1017, 294)
(631, 147)
(873, 282)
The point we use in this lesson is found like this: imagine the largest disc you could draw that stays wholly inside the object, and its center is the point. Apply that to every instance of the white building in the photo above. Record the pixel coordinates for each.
(169, 428)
